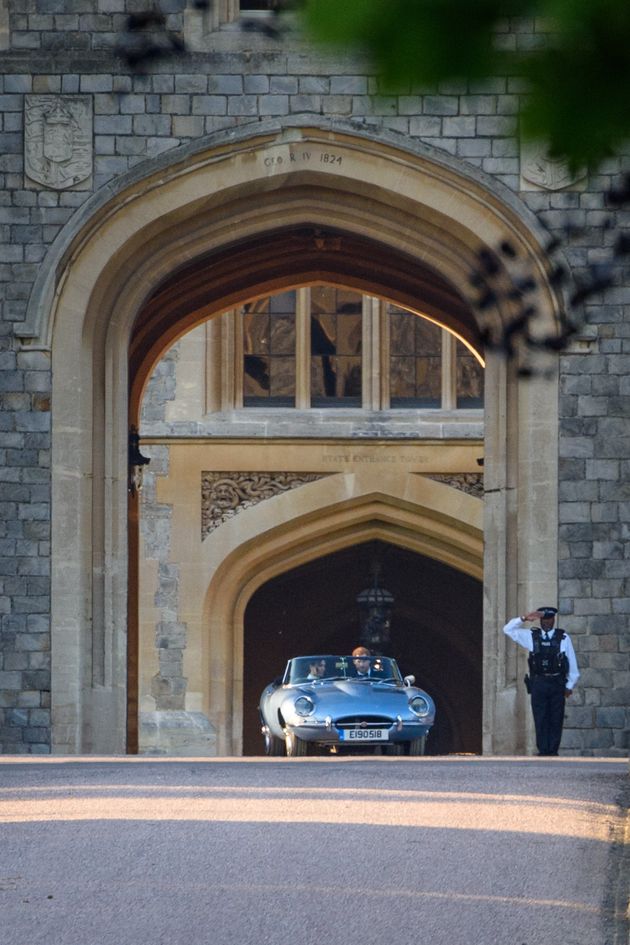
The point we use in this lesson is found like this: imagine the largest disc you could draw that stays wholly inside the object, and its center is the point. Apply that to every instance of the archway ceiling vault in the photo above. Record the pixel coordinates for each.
(428, 531)
(275, 260)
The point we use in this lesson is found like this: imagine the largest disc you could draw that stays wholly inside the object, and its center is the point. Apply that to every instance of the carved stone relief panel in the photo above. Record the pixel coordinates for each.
(225, 494)
(471, 483)
(58, 141)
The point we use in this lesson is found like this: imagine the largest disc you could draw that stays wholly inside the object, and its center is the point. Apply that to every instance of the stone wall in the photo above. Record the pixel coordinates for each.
(164, 726)
(75, 50)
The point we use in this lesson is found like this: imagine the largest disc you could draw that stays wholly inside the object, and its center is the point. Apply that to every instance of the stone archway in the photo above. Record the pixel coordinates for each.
(340, 512)
(127, 241)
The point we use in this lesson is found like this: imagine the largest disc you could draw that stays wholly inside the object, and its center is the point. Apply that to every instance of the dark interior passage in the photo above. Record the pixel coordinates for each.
(436, 632)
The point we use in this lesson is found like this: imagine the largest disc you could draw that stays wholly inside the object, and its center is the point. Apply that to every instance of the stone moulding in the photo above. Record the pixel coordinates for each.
(225, 494)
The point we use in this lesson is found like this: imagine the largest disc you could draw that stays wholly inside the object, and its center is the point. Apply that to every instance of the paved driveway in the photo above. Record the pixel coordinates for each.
(430, 851)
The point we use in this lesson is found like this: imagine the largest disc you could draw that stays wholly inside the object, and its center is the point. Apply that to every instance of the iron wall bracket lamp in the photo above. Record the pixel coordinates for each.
(136, 462)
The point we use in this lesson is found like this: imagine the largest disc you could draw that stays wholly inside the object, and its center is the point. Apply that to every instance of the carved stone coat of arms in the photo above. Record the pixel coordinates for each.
(58, 140)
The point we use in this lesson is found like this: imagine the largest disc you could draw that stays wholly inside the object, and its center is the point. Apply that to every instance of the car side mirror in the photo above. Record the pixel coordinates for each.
(409, 680)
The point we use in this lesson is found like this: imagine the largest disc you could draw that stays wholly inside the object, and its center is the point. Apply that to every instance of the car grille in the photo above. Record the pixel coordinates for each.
(364, 721)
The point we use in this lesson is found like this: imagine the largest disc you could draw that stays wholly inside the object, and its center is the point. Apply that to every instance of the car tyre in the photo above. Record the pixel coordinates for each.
(295, 747)
(417, 745)
(273, 745)
(398, 748)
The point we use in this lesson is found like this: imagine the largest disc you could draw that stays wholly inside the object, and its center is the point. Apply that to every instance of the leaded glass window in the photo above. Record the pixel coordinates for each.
(326, 346)
(269, 351)
(468, 378)
(415, 372)
(336, 347)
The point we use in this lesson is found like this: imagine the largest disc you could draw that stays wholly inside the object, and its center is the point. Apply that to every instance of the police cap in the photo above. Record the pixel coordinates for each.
(548, 611)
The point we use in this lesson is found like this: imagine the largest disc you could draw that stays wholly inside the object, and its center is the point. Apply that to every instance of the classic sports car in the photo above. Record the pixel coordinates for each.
(323, 702)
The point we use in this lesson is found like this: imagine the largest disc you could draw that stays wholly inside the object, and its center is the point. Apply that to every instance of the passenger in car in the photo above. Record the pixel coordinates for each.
(316, 669)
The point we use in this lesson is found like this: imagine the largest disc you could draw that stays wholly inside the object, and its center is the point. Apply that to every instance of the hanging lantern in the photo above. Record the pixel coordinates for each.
(375, 614)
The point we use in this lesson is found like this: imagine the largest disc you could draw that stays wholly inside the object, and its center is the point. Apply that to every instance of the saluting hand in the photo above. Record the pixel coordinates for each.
(534, 615)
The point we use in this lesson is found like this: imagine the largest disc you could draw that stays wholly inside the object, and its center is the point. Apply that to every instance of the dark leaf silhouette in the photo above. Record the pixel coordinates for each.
(489, 262)
(141, 21)
(507, 249)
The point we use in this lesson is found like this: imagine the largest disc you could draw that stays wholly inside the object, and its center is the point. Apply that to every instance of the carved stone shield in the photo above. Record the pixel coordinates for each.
(58, 140)
(550, 173)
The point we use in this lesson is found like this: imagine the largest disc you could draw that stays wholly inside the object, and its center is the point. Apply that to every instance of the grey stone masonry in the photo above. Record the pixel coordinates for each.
(24, 538)
(81, 48)
(168, 687)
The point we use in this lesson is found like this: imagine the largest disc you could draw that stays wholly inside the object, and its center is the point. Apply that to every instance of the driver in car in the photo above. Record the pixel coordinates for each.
(365, 667)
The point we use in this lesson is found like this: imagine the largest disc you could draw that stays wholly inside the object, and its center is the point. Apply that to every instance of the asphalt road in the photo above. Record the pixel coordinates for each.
(430, 851)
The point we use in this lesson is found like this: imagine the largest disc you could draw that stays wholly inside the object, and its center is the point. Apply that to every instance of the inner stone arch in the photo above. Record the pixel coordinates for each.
(427, 519)
(436, 632)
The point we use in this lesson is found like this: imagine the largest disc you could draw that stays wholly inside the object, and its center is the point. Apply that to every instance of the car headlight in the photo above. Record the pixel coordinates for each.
(419, 706)
(304, 706)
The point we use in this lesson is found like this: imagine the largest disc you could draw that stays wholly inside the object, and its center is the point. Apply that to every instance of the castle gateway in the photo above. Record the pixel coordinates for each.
(276, 293)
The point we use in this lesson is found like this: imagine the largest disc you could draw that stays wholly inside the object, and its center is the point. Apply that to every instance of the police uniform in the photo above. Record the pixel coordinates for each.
(553, 669)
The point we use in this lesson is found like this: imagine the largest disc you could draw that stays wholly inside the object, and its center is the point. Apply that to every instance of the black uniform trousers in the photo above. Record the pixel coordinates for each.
(548, 708)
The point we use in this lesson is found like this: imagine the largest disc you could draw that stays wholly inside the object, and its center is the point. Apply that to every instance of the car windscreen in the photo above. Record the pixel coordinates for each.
(313, 668)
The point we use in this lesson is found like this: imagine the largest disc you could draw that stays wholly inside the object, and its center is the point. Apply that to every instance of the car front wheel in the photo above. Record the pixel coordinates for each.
(273, 745)
(295, 747)
(417, 745)
(397, 748)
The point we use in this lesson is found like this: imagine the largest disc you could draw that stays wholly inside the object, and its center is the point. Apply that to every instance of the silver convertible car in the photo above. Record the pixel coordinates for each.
(325, 702)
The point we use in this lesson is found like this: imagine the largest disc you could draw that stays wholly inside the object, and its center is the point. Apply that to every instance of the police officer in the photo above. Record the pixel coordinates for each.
(553, 673)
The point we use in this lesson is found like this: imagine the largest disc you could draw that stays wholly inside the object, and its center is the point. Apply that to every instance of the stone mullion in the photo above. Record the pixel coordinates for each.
(232, 374)
(303, 349)
(383, 354)
(449, 371)
(215, 329)
(371, 374)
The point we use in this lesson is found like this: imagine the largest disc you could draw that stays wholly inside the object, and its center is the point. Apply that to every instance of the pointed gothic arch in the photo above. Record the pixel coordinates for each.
(412, 512)
(100, 280)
